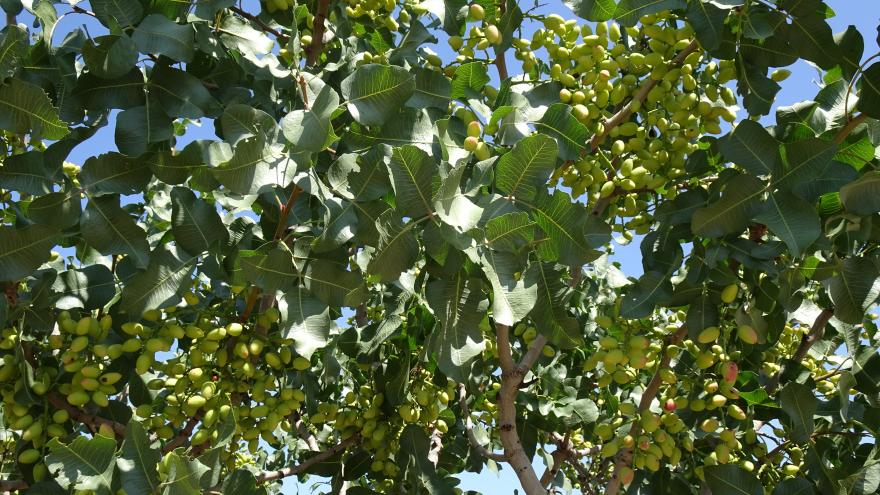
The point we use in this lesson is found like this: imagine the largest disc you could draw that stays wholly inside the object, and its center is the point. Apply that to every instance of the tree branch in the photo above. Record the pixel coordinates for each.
(807, 341)
(9, 486)
(94, 422)
(308, 463)
(469, 428)
(318, 33)
(627, 110)
(285, 212)
(184, 434)
(625, 455)
(511, 377)
(500, 55)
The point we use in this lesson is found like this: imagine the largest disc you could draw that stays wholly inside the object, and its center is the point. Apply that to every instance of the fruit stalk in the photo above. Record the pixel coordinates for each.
(651, 390)
(807, 341)
(627, 110)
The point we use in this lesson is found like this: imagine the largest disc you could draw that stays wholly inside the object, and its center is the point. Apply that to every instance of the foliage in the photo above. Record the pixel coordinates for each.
(389, 266)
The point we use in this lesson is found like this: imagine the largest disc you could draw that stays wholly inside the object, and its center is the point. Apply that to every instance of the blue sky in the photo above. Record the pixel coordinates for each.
(864, 14)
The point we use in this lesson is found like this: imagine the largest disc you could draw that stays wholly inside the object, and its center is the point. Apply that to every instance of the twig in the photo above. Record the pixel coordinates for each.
(249, 305)
(625, 455)
(282, 38)
(469, 428)
(308, 463)
(318, 33)
(807, 341)
(285, 212)
(640, 96)
(511, 377)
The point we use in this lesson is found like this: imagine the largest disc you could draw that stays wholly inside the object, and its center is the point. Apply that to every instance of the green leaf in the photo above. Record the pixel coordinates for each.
(308, 130)
(451, 13)
(58, 209)
(27, 173)
(751, 147)
(412, 174)
(469, 80)
(807, 160)
(638, 300)
(138, 461)
(730, 214)
(565, 226)
(90, 288)
(113, 173)
(184, 475)
(99, 95)
(159, 35)
(758, 90)
(576, 411)
(398, 249)
(241, 121)
(433, 89)
(708, 23)
(241, 481)
(570, 135)
(550, 312)
(794, 486)
(237, 34)
(527, 167)
(854, 289)
(25, 108)
(374, 92)
(13, 49)
(112, 56)
(862, 197)
(510, 232)
(869, 98)
(452, 206)
(23, 250)
(791, 219)
(413, 460)
(138, 127)
(629, 11)
(812, 38)
(340, 225)
(181, 94)
(334, 285)
(800, 405)
(120, 12)
(270, 267)
(361, 177)
(304, 319)
(195, 224)
(593, 10)
(514, 293)
(459, 305)
(730, 479)
(160, 285)
(85, 464)
(110, 230)
(254, 165)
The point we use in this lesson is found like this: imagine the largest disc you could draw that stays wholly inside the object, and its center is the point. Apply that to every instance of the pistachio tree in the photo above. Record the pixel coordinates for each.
(386, 259)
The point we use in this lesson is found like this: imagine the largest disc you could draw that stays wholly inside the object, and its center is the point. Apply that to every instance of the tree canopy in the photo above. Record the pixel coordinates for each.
(390, 263)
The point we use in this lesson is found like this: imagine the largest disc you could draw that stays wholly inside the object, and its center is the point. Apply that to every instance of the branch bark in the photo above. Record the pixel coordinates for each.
(500, 55)
(318, 33)
(469, 428)
(640, 96)
(92, 421)
(807, 341)
(9, 486)
(511, 377)
(308, 463)
(184, 434)
(625, 455)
